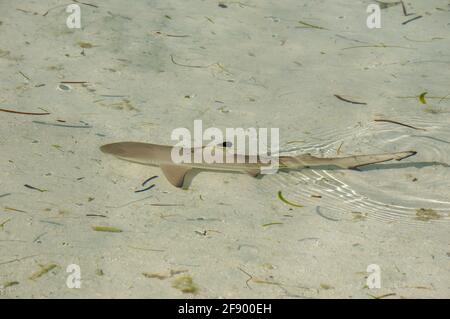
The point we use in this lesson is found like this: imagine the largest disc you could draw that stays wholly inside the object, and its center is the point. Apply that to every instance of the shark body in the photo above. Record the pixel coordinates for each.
(161, 155)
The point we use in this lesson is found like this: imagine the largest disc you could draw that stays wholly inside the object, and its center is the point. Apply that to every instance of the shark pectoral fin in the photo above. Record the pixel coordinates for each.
(353, 162)
(253, 172)
(175, 174)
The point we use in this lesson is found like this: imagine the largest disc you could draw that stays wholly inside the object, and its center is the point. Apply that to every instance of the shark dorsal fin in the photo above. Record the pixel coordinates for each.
(175, 173)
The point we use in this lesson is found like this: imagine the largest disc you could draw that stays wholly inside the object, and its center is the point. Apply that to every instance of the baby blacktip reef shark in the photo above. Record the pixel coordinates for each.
(161, 155)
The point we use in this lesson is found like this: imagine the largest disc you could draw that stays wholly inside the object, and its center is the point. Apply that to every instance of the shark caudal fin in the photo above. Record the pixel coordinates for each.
(175, 173)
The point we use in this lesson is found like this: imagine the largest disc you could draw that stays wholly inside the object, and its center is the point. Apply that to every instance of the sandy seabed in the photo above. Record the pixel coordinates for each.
(144, 68)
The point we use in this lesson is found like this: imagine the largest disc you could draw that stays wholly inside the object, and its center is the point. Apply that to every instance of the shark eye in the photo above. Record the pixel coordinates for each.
(227, 144)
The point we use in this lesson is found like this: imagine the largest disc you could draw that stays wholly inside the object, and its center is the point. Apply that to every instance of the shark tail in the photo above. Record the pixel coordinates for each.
(349, 162)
